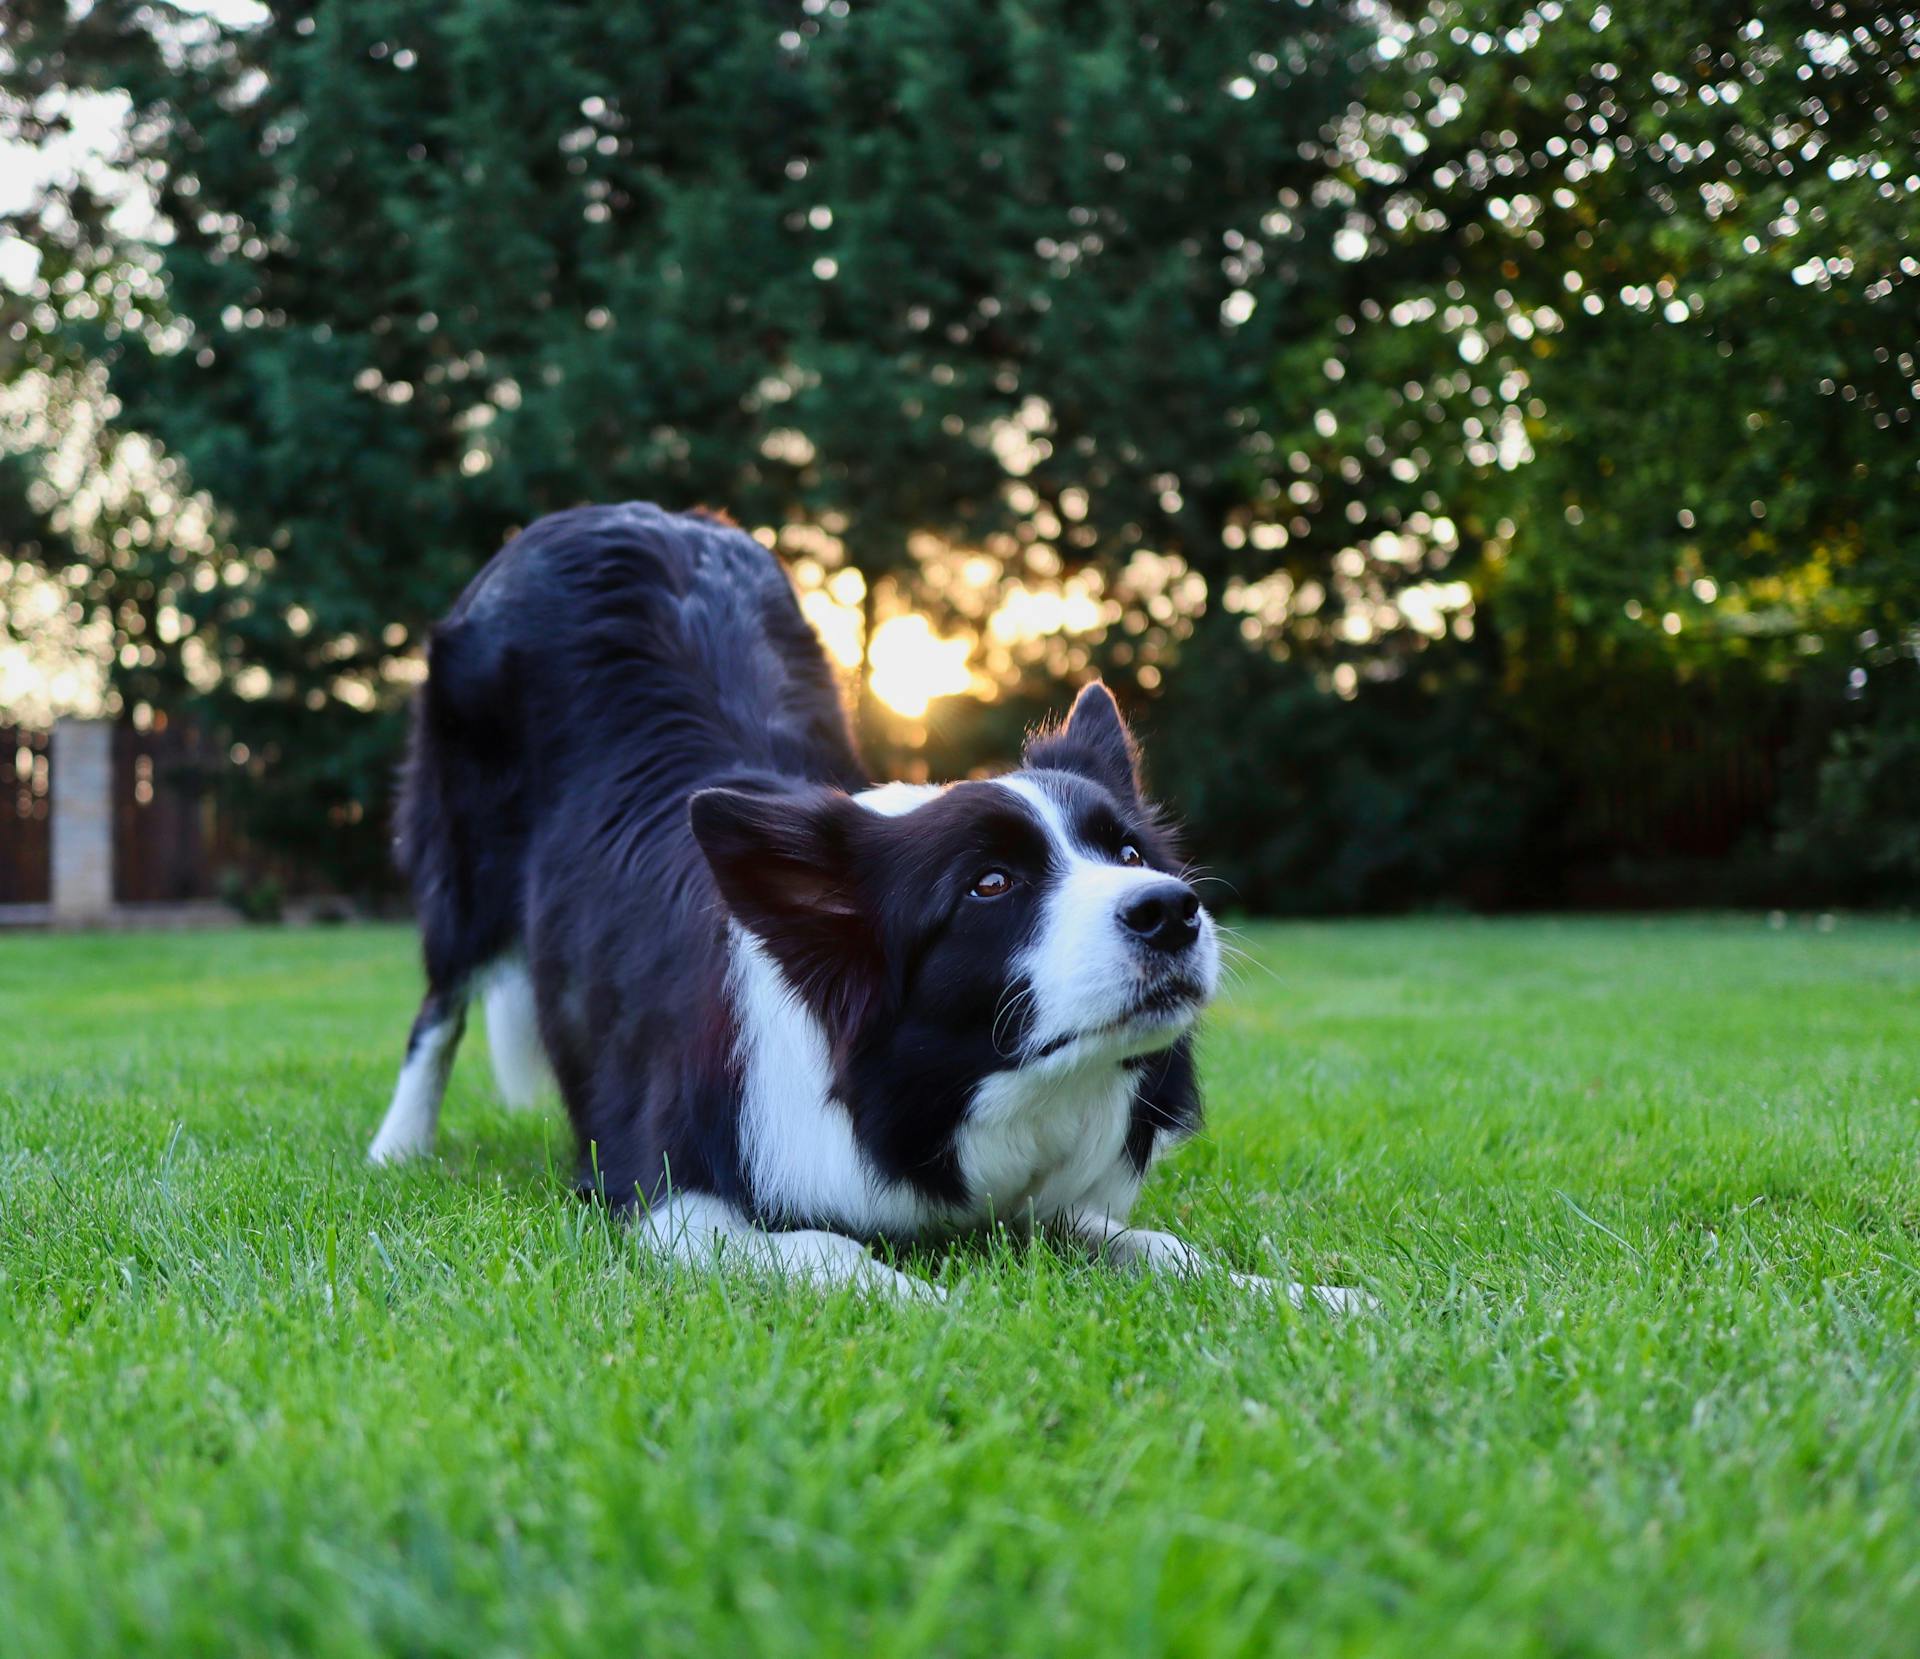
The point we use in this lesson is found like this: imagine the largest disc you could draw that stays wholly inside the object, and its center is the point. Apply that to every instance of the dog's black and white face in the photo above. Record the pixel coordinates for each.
(1114, 954)
(1034, 923)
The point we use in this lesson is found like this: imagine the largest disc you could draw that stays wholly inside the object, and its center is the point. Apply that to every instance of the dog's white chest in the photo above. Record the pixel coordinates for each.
(1046, 1144)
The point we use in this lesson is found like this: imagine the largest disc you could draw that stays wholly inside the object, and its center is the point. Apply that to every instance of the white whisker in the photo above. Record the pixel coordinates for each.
(1009, 1009)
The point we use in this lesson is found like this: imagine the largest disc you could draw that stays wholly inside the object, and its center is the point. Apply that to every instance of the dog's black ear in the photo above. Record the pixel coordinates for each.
(470, 674)
(1094, 742)
(788, 867)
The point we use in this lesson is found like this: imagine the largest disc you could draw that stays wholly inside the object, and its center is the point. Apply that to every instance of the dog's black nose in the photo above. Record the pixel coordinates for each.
(1166, 916)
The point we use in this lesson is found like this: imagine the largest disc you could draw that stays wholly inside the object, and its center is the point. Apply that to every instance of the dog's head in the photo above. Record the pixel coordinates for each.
(1037, 920)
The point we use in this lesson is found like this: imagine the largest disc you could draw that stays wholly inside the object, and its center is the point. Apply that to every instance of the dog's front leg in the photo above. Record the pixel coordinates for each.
(695, 1228)
(1142, 1250)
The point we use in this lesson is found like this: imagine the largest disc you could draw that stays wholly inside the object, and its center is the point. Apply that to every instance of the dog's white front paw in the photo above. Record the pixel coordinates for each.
(1334, 1298)
(1141, 1247)
(1337, 1298)
(886, 1281)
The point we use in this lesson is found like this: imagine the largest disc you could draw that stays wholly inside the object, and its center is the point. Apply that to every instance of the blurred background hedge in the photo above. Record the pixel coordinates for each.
(1477, 440)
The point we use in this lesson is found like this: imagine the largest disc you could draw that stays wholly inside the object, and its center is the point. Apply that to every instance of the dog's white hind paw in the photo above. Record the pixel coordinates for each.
(397, 1149)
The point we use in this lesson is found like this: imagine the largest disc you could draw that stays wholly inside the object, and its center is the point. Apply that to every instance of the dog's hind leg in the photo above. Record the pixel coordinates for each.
(408, 1128)
(520, 1067)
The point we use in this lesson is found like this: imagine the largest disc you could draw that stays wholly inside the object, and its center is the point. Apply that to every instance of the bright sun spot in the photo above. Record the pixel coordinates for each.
(837, 625)
(909, 665)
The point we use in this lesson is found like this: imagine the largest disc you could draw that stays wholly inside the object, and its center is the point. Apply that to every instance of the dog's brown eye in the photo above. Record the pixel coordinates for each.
(991, 884)
(1130, 855)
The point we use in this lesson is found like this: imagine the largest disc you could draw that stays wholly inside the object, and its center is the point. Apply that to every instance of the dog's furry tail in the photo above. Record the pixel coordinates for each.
(520, 1065)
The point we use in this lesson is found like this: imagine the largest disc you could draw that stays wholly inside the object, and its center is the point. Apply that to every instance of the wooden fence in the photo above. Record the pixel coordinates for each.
(26, 804)
(173, 835)
(172, 839)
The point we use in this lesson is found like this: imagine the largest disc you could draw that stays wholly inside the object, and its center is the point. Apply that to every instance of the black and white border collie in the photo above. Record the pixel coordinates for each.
(790, 1014)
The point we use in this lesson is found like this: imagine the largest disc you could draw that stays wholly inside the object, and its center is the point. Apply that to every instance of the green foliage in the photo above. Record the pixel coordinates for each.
(1635, 331)
(1412, 794)
(254, 901)
(809, 265)
(1521, 389)
(1857, 829)
(1672, 246)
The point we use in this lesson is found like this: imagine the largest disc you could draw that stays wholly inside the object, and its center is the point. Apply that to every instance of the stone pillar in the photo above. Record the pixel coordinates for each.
(82, 820)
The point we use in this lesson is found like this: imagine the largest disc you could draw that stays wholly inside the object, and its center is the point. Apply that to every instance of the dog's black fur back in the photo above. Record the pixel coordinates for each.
(531, 819)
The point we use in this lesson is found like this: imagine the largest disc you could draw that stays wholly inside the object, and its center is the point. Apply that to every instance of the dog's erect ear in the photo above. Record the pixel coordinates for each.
(1094, 742)
(787, 865)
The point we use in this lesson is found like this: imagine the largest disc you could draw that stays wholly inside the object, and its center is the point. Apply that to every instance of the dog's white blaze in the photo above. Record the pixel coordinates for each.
(796, 1140)
(1085, 973)
(895, 800)
(407, 1130)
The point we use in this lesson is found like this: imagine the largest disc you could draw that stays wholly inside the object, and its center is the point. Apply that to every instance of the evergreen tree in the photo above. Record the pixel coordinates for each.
(1452, 393)
(1009, 275)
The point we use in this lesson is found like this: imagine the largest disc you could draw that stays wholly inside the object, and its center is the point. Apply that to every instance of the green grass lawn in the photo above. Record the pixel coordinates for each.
(1641, 1201)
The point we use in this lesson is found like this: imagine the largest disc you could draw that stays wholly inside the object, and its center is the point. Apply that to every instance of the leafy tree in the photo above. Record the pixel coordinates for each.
(1479, 403)
(965, 272)
(1639, 319)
